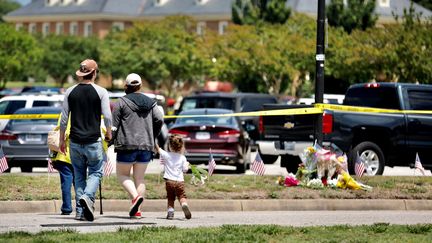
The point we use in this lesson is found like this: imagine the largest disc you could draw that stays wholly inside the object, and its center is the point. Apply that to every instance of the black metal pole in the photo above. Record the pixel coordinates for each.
(100, 197)
(320, 57)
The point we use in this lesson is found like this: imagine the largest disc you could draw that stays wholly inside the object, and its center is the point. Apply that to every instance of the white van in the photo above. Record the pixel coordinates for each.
(9, 104)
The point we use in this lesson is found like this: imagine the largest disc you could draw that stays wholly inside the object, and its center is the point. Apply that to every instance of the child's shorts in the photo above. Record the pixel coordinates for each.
(132, 156)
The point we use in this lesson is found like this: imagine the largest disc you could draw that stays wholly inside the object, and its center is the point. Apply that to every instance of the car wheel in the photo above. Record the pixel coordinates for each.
(240, 168)
(269, 159)
(26, 168)
(372, 156)
(290, 162)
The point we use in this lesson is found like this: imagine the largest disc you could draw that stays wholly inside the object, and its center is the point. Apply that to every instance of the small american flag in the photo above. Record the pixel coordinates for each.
(257, 165)
(3, 163)
(211, 164)
(108, 167)
(359, 166)
(418, 165)
(50, 167)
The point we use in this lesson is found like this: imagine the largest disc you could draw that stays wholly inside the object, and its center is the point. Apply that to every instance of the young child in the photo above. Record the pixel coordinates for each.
(175, 164)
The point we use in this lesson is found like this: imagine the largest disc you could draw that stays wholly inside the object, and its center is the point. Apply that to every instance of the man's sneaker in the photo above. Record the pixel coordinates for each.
(87, 206)
(170, 215)
(79, 216)
(137, 215)
(135, 205)
(186, 211)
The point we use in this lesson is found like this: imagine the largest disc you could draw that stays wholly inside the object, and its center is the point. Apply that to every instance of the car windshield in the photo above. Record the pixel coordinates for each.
(208, 102)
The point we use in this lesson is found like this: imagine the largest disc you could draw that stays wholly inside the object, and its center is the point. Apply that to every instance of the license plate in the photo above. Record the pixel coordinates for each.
(202, 135)
(33, 137)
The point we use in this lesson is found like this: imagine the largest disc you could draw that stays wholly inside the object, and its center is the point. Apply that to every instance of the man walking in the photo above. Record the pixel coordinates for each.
(85, 102)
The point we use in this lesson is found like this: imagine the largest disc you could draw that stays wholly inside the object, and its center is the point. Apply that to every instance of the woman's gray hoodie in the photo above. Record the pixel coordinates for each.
(138, 121)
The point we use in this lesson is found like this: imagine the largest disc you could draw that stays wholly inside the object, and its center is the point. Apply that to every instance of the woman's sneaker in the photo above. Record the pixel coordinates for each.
(186, 211)
(135, 205)
(137, 215)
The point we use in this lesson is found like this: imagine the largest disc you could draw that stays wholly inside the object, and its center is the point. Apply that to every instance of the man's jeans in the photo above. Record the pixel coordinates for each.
(66, 178)
(83, 157)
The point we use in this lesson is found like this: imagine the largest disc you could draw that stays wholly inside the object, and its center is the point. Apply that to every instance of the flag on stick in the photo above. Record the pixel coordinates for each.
(108, 167)
(257, 165)
(418, 165)
(3, 163)
(359, 166)
(211, 164)
(50, 166)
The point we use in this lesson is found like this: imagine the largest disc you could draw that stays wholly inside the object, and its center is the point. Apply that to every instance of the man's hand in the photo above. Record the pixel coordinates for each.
(63, 148)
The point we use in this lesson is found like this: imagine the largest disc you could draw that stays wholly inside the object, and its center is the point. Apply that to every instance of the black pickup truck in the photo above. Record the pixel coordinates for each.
(380, 138)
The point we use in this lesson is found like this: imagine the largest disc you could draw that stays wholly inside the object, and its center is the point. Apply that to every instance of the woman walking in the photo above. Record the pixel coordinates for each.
(137, 121)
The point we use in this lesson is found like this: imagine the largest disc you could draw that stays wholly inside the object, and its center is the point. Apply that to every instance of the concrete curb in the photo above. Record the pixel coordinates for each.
(207, 205)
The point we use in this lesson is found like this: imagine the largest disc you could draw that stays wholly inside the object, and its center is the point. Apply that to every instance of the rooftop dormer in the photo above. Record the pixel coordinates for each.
(201, 2)
(51, 2)
(158, 3)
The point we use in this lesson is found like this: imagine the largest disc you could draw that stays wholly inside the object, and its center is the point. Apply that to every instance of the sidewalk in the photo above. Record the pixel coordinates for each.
(206, 205)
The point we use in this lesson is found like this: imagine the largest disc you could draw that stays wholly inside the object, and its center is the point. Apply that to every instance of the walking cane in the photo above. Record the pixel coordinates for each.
(100, 197)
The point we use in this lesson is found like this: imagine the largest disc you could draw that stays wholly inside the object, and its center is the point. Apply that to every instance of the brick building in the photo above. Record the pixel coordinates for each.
(98, 17)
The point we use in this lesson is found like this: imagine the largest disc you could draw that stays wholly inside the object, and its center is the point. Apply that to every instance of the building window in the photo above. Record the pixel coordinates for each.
(118, 26)
(45, 29)
(59, 29)
(88, 29)
(201, 28)
(18, 26)
(222, 27)
(73, 28)
(384, 3)
(32, 28)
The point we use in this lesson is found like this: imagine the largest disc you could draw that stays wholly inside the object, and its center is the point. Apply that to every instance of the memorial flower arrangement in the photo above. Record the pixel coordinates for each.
(323, 167)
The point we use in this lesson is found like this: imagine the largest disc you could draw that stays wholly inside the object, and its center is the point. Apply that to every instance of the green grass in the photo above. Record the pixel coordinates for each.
(380, 232)
(43, 187)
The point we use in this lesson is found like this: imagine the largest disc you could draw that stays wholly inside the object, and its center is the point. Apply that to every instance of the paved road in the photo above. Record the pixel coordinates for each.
(111, 221)
(272, 169)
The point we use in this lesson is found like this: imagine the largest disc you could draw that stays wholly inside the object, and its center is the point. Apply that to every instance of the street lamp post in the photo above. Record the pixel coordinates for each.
(320, 58)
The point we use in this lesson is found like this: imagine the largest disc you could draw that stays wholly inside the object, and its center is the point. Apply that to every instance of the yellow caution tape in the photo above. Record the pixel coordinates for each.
(368, 109)
(317, 109)
(30, 116)
(294, 111)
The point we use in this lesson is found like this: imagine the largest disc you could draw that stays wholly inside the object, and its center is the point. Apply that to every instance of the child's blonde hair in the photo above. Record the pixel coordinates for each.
(176, 144)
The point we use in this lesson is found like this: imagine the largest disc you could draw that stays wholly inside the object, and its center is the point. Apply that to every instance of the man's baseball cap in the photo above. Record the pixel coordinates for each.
(133, 79)
(86, 67)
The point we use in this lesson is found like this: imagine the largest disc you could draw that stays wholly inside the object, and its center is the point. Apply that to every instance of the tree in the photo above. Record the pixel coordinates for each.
(266, 58)
(356, 14)
(414, 48)
(425, 3)
(250, 12)
(164, 53)
(7, 6)
(62, 54)
(18, 52)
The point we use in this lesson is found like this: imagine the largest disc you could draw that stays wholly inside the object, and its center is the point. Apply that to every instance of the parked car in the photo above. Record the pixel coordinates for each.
(24, 141)
(237, 102)
(41, 90)
(10, 104)
(223, 136)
